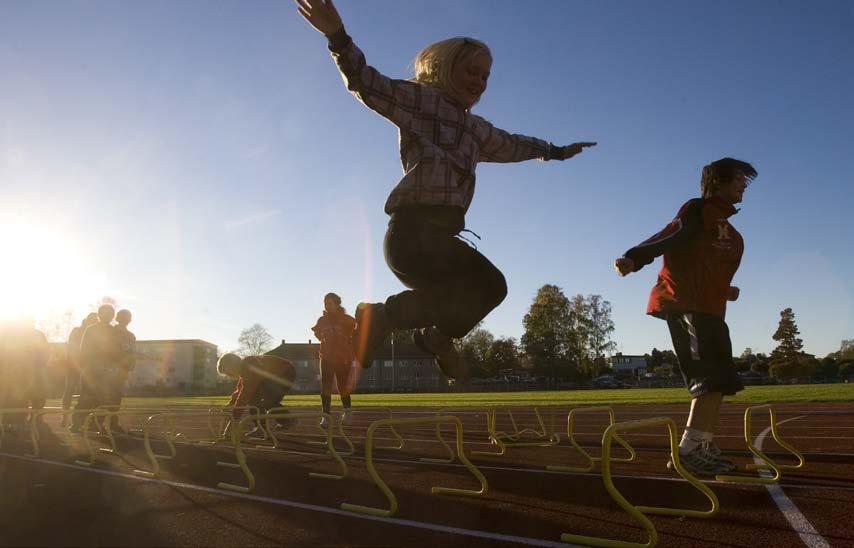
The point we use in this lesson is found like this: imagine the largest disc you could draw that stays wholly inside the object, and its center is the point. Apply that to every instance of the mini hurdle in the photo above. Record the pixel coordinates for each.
(535, 437)
(237, 437)
(637, 512)
(168, 420)
(591, 460)
(767, 463)
(392, 500)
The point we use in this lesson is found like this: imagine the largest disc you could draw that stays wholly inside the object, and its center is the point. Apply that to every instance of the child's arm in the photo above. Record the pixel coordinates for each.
(497, 145)
(396, 100)
(688, 222)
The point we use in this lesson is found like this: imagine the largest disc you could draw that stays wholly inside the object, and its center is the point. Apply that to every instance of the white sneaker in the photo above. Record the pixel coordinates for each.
(323, 422)
(700, 462)
(346, 417)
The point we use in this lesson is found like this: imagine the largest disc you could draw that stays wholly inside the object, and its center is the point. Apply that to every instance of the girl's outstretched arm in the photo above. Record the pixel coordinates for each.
(497, 145)
(320, 14)
(396, 100)
(567, 152)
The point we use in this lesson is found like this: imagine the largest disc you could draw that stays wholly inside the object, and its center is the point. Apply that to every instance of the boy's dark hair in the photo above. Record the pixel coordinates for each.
(721, 172)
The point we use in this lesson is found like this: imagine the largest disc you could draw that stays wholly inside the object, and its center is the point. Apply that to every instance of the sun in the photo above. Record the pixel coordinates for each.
(43, 271)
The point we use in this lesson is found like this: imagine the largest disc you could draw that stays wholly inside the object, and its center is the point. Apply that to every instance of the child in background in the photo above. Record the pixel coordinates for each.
(702, 252)
(335, 331)
(452, 286)
(262, 382)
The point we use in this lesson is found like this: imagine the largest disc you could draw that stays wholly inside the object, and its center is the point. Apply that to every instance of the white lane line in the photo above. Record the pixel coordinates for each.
(793, 515)
(527, 541)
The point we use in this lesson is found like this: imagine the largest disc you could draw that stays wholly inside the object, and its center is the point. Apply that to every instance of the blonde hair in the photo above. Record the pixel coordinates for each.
(434, 64)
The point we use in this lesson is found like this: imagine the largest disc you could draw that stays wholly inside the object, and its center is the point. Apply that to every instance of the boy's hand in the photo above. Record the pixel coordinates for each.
(733, 293)
(624, 266)
(567, 152)
(320, 14)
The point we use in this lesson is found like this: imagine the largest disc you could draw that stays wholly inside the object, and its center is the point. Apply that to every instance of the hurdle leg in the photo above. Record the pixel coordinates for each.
(637, 512)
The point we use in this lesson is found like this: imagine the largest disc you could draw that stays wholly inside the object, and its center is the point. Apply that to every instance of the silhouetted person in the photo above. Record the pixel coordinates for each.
(99, 352)
(262, 381)
(126, 362)
(72, 372)
(24, 353)
(702, 252)
(335, 331)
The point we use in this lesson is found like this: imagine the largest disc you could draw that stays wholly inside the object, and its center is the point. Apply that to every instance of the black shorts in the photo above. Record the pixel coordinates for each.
(704, 350)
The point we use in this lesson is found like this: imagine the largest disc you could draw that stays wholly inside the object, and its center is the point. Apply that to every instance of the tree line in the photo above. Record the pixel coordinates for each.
(569, 339)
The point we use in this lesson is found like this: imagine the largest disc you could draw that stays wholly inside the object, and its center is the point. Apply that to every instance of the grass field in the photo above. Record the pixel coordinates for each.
(751, 395)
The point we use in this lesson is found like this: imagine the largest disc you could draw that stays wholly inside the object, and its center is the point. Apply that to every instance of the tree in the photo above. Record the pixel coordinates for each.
(254, 340)
(548, 337)
(801, 365)
(760, 365)
(786, 335)
(474, 347)
(591, 328)
(829, 369)
(503, 354)
(57, 327)
(746, 360)
(654, 359)
(846, 350)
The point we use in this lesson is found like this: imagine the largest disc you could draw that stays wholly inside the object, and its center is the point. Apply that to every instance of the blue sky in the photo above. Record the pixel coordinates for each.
(202, 162)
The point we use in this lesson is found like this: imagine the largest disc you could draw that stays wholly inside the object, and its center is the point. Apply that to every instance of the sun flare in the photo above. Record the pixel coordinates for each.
(43, 272)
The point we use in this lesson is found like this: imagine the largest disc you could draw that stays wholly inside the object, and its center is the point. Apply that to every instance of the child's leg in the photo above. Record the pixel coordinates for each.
(453, 286)
(327, 377)
(342, 377)
(72, 382)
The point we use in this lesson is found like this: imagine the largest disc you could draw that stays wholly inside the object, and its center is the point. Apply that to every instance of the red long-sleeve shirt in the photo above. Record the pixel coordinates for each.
(702, 252)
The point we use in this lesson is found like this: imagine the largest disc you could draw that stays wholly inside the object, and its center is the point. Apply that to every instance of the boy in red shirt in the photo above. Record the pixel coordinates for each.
(702, 252)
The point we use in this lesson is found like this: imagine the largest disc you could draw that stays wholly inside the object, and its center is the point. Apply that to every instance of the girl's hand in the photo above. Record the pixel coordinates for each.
(564, 153)
(733, 293)
(624, 266)
(320, 14)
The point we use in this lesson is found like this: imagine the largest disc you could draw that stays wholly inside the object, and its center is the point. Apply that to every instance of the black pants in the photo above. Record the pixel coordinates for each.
(94, 392)
(268, 396)
(72, 383)
(702, 346)
(452, 286)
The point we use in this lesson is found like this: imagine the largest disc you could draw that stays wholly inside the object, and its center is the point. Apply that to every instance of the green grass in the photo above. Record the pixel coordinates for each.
(751, 395)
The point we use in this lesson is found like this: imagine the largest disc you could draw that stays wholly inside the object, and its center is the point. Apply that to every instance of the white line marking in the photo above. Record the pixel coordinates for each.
(799, 523)
(316, 508)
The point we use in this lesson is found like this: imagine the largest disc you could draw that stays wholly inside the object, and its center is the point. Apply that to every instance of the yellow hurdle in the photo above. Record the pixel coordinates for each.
(591, 460)
(170, 435)
(767, 463)
(637, 512)
(490, 421)
(237, 437)
(31, 421)
(517, 438)
(392, 500)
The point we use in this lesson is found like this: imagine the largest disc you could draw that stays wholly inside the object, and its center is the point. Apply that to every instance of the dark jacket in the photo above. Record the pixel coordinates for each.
(702, 252)
(335, 331)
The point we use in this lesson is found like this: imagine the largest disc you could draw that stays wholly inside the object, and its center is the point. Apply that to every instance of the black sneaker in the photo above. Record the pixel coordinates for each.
(432, 341)
(700, 462)
(371, 331)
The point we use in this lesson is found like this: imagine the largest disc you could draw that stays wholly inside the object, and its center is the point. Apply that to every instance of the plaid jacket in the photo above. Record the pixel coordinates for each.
(440, 141)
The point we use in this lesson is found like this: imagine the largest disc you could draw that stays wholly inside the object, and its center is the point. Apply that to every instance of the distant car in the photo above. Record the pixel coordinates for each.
(608, 382)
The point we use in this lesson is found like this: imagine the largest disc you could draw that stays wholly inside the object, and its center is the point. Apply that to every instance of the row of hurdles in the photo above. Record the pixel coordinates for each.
(162, 424)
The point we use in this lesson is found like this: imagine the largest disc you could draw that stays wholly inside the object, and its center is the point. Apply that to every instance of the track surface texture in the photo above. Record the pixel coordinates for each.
(51, 501)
